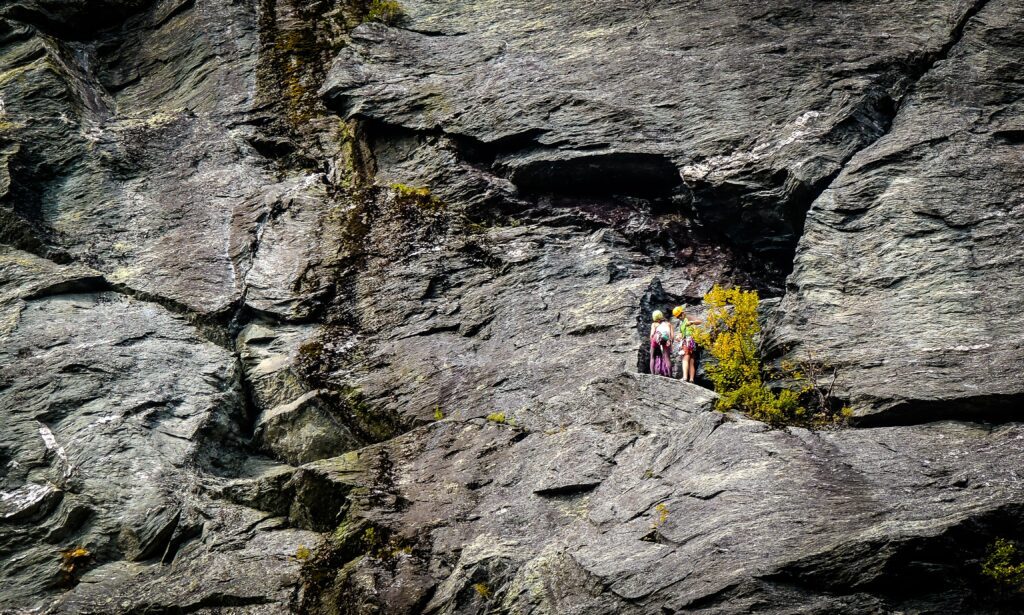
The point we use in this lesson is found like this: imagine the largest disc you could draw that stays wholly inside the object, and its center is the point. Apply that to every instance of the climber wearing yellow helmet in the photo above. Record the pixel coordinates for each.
(662, 335)
(684, 347)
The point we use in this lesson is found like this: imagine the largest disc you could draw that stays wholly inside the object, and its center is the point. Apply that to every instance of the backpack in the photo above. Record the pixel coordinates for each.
(661, 335)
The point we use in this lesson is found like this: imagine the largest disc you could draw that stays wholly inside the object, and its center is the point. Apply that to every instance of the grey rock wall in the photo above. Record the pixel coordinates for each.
(302, 311)
(913, 246)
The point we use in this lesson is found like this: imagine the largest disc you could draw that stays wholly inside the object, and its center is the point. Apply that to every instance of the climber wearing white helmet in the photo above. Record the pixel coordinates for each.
(661, 345)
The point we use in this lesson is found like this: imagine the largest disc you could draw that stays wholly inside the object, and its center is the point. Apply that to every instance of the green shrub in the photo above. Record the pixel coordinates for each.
(417, 196)
(730, 335)
(483, 590)
(763, 404)
(385, 11)
(496, 417)
(1005, 565)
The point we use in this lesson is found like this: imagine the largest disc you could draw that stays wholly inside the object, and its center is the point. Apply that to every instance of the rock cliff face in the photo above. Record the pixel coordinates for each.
(322, 307)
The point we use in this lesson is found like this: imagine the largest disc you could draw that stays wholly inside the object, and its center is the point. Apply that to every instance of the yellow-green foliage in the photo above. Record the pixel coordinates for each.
(384, 11)
(662, 511)
(496, 417)
(370, 539)
(72, 561)
(418, 196)
(438, 414)
(302, 553)
(763, 404)
(411, 192)
(72, 558)
(483, 590)
(730, 335)
(1005, 565)
(397, 551)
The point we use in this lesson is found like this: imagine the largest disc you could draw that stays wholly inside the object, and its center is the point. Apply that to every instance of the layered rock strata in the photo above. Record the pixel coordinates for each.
(314, 307)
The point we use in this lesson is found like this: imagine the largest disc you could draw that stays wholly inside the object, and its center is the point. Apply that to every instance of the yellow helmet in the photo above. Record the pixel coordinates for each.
(677, 311)
(657, 316)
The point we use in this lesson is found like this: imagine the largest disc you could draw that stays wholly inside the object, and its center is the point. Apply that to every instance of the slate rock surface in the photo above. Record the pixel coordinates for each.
(920, 228)
(308, 308)
(646, 500)
(118, 418)
(744, 110)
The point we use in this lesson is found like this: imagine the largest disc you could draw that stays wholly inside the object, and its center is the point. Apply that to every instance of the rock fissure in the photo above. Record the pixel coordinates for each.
(900, 188)
(882, 114)
(992, 408)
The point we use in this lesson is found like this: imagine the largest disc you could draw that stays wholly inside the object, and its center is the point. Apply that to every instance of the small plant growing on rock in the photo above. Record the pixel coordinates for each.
(496, 417)
(1005, 565)
(731, 334)
(370, 540)
(483, 590)
(72, 561)
(662, 511)
(397, 551)
(385, 11)
(814, 382)
(438, 414)
(302, 553)
(420, 197)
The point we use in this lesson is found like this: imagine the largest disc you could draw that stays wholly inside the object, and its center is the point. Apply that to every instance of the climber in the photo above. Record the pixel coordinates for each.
(677, 344)
(687, 347)
(661, 345)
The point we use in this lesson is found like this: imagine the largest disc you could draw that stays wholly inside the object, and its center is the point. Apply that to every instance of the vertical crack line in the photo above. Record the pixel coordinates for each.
(918, 72)
(915, 77)
(954, 39)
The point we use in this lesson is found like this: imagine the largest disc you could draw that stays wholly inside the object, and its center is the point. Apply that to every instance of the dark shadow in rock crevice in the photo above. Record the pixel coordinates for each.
(597, 174)
(639, 195)
(74, 20)
(916, 572)
(984, 408)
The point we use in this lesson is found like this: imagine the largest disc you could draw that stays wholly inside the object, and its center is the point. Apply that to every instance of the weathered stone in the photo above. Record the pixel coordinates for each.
(750, 109)
(242, 561)
(321, 488)
(101, 447)
(269, 356)
(305, 430)
(128, 151)
(698, 511)
(139, 380)
(905, 276)
(416, 254)
(267, 490)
